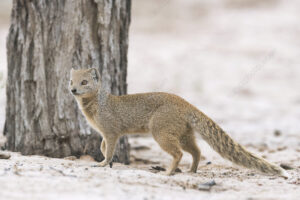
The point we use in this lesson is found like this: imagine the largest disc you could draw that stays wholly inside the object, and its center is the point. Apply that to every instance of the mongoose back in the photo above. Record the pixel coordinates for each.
(170, 119)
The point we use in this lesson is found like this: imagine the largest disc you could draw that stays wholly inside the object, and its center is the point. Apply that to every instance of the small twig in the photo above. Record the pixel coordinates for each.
(143, 160)
(140, 148)
(62, 173)
(158, 168)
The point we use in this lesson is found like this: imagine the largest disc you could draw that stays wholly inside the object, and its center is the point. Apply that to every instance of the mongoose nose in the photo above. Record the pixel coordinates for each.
(73, 91)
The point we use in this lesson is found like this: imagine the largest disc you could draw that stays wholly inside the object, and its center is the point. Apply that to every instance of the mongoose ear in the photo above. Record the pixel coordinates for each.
(95, 74)
(72, 70)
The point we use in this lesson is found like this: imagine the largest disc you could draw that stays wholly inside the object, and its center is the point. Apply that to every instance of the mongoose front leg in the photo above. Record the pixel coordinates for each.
(110, 144)
(188, 144)
(103, 147)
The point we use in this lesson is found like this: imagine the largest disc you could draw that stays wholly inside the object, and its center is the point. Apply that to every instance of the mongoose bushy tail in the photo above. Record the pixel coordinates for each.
(228, 148)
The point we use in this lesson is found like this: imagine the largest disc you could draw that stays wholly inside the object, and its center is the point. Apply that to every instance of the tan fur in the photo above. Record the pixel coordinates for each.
(171, 120)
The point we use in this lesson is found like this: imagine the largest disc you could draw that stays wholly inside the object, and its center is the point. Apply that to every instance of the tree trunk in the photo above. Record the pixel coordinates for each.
(46, 39)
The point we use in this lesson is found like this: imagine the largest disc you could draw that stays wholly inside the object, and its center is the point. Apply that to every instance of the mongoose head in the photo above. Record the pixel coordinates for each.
(84, 82)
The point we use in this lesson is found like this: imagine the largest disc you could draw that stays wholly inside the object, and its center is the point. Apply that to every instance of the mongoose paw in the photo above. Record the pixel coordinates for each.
(101, 164)
(192, 171)
(168, 173)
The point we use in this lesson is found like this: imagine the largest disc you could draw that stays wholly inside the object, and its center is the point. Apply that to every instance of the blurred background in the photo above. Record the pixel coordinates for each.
(236, 60)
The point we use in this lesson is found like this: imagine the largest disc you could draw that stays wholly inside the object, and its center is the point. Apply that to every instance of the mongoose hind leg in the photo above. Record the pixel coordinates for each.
(171, 146)
(188, 144)
(166, 127)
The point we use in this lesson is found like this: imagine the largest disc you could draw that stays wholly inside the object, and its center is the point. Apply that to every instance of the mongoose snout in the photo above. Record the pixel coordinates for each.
(73, 91)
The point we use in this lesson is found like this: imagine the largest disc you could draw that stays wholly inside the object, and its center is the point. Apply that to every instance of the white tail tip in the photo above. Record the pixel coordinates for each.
(285, 174)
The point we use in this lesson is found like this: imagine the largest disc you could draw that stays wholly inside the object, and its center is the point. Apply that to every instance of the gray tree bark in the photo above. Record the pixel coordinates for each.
(46, 39)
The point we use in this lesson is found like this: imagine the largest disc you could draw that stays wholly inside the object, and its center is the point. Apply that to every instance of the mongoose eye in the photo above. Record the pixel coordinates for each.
(84, 82)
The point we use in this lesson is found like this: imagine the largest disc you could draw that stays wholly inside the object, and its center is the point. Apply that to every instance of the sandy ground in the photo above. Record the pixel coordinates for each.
(238, 62)
(37, 177)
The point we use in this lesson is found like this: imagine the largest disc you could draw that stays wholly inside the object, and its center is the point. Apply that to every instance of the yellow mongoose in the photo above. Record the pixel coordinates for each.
(171, 120)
